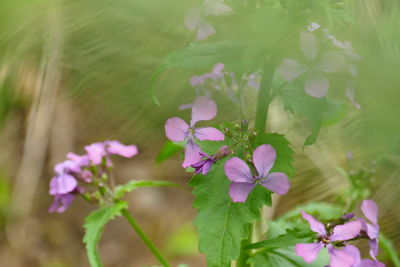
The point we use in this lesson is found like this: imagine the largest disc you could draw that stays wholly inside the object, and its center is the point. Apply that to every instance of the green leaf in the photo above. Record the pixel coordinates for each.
(317, 111)
(223, 224)
(284, 153)
(94, 225)
(289, 239)
(120, 190)
(168, 150)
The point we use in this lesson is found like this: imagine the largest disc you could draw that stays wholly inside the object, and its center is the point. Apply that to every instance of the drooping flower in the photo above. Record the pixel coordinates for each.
(316, 83)
(243, 181)
(195, 17)
(177, 130)
(370, 210)
(204, 165)
(61, 202)
(340, 233)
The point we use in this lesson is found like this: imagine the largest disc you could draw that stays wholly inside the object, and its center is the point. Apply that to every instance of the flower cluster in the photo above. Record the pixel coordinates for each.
(177, 130)
(336, 235)
(86, 169)
(244, 181)
(317, 67)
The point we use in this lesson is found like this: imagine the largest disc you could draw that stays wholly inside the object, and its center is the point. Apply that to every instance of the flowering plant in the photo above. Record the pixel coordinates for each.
(240, 166)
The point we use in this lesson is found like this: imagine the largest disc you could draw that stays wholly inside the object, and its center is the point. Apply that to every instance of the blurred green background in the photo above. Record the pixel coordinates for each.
(76, 72)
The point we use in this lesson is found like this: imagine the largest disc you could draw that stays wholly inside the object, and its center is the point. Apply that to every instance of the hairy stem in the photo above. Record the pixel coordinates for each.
(145, 238)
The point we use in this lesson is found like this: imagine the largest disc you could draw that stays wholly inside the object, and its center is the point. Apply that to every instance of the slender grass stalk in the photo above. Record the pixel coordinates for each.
(145, 238)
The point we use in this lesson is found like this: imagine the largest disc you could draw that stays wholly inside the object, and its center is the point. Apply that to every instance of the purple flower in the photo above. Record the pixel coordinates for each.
(340, 233)
(243, 181)
(370, 210)
(97, 151)
(61, 202)
(204, 165)
(194, 19)
(177, 130)
(316, 84)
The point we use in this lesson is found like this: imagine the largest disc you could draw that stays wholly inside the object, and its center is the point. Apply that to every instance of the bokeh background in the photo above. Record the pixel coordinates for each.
(76, 72)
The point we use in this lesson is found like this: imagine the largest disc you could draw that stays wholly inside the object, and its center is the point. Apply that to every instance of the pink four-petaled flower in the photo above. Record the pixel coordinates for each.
(243, 181)
(177, 130)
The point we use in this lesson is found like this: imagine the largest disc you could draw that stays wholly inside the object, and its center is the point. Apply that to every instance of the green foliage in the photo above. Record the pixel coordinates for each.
(94, 225)
(120, 190)
(390, 249)
(290, 238)
(318, 112)
(223, 224)
(168, 150)
(284, 153)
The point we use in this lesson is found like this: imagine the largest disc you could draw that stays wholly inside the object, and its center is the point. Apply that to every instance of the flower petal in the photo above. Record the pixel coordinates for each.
(240, 191)
(204, 30)
(192, 18)
(176, 129)
(61, 203)
(192, 154)
(339, 258)
(96, 152)
(209, 133)
(238, 171)
(353, 252)
(277, 182)
(370, 210)
(346, 231)
(372, 231)
(309, 45)
(308, 252)
(316, 85)
(370, 263)
(373, 248)
(291, 69)
(203, 109)
(115, 147)
(215, 7)
(62, 184)
(264, 158)
(331, 62)
(315, 225)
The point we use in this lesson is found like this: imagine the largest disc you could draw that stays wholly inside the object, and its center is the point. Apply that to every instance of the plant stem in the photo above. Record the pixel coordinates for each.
(145, 238)
(264, 96)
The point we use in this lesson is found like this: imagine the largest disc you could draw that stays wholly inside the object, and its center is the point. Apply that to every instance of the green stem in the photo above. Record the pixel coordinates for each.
(144, 238)
(264, 96)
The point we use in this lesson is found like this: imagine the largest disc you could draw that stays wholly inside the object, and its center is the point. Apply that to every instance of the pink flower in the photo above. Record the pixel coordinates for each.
(243, 181)
(340, 233)
(370, 210)
(177, 130)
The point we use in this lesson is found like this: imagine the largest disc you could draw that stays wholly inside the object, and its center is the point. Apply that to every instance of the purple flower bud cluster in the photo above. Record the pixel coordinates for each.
(83, 169)
(335, 237)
